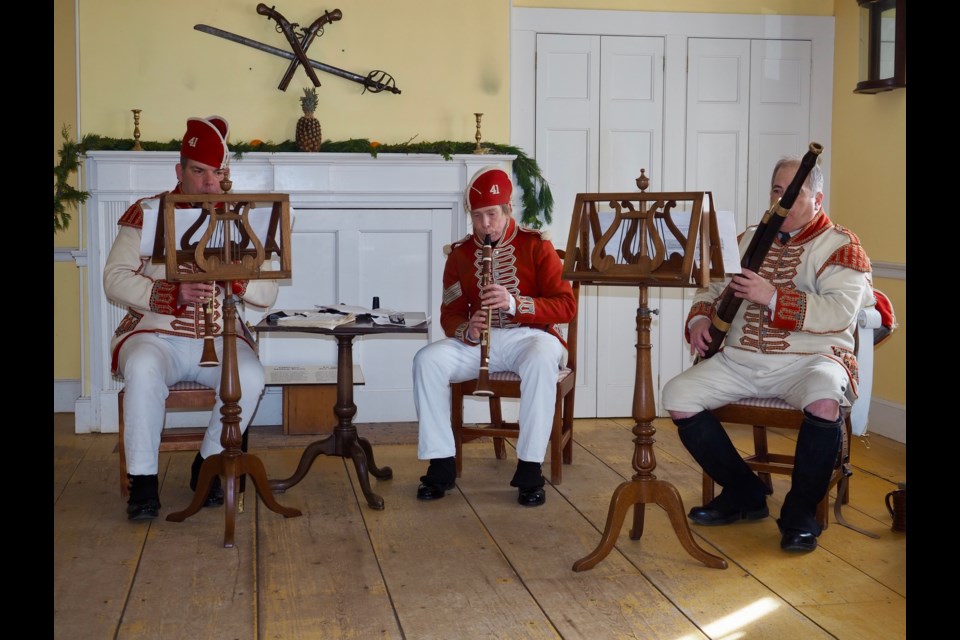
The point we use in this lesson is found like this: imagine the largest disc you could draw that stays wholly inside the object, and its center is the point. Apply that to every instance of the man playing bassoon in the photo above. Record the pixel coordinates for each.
(793, 338)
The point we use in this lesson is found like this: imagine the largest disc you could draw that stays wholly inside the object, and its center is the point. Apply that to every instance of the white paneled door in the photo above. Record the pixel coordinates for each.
(601, 102)
(599, 121)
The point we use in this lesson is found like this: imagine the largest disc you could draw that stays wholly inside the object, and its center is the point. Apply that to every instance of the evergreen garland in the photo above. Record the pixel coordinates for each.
(537, 200)
(64, 194)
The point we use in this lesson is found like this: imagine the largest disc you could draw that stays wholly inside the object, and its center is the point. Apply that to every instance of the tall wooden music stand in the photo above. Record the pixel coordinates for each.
(642, 245)
(228, 249)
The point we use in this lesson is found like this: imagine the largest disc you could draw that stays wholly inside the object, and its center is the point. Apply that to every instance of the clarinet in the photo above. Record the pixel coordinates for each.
(483, 379)
(759, 246)
(209, 356)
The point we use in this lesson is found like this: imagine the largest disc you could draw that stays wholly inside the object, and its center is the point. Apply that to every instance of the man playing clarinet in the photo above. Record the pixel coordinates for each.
(160, 341)
(527, 296)
(792, 338)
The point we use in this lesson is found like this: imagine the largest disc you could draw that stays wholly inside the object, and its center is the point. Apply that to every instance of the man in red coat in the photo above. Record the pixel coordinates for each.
(528, 298)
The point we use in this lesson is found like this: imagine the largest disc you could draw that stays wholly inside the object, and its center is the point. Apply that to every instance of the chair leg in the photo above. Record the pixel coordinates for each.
(556, 442)
(568, 428)
(124, 481)
(761, 453)
(496, 420)
(708, 489)
(823, 511)
(456, 423)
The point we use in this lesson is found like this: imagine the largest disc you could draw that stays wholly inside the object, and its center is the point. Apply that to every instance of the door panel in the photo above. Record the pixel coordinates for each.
(631, 134)
(600, 119)
(599, 122)
(779, 112)
(567, 149)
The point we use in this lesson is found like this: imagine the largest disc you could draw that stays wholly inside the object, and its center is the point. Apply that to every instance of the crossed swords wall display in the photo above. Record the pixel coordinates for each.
(375, 81)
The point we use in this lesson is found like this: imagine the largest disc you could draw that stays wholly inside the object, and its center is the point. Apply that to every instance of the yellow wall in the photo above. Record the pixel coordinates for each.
(868, 185)
(66, 276)
(450, 59)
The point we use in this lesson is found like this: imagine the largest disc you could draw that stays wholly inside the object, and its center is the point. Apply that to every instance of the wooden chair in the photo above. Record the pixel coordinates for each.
(184, 396)
(507, 385)
(773, 413)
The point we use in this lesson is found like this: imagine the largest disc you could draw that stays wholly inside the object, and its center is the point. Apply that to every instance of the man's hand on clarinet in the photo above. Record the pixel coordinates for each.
(495, 296)
(750, 286)
(196, 292)
(478, 324)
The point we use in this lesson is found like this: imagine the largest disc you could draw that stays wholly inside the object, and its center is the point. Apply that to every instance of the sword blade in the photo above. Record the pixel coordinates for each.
(260, 46)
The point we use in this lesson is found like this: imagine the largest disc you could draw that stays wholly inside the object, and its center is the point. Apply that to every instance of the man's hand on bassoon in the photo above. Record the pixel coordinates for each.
(748, 285)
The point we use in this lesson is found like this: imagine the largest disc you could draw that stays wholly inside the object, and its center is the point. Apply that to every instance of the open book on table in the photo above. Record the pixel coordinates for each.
(320, 318)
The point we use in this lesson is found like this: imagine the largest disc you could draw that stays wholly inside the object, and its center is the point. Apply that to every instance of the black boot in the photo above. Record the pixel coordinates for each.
(744, 495)
(144, 501)
(215, 495)
(528, 478)
(818, 445)
(441, 477)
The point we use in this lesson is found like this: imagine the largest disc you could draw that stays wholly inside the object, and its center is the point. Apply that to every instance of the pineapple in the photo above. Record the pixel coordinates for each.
(308, 127)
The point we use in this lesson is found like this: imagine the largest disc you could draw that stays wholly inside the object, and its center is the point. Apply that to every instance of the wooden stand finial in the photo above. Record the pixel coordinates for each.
(643, 181)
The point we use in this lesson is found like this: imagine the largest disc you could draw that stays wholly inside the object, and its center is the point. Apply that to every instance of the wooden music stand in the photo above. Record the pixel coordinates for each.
(644, 246)
(227, 256)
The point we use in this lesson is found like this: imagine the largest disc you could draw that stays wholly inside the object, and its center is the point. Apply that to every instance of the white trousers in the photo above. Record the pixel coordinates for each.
(150, 363)
(797, 379)
(533, 354)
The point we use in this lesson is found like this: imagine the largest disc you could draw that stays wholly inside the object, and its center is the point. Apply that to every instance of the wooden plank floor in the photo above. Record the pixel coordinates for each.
(473, 565)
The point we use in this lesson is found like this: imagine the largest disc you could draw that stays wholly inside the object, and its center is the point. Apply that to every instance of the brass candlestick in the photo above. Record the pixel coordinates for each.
(136, 130)
(478, 150)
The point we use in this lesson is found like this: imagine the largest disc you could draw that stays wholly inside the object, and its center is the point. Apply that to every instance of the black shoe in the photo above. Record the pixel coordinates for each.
(144, 502)
(720, 511)
(797, 540)
(430, 491)
(215, 495)
(532, 497)
(146, 509)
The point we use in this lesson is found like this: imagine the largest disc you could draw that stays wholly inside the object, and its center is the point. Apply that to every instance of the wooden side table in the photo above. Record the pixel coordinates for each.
(344, 441)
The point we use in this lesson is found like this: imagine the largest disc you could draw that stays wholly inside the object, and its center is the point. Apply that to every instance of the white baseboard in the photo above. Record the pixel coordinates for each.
(65, 394)
(888, 419)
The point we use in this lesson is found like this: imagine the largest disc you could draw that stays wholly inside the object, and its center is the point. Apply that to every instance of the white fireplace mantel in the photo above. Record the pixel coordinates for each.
(362, 227)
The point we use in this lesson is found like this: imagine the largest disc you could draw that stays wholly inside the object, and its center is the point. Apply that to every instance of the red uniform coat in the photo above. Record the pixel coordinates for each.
(526, 264)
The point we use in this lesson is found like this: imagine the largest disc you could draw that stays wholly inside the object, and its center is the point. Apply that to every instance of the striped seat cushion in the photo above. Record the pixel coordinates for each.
(184, 385)
(765, 403)
(509, 376)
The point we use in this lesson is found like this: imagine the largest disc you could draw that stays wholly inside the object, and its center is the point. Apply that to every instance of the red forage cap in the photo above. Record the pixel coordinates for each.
(206, 141)
(489, 187)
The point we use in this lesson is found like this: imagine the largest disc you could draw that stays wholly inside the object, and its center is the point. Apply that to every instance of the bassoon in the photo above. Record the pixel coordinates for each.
(483, 379)
(759, 246)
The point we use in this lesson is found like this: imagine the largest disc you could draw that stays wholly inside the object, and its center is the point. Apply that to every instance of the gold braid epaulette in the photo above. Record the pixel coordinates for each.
(850, 256)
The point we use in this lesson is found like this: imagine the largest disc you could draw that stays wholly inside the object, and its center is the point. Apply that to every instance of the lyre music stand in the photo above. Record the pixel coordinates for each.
(644, 246)
(227, 249)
